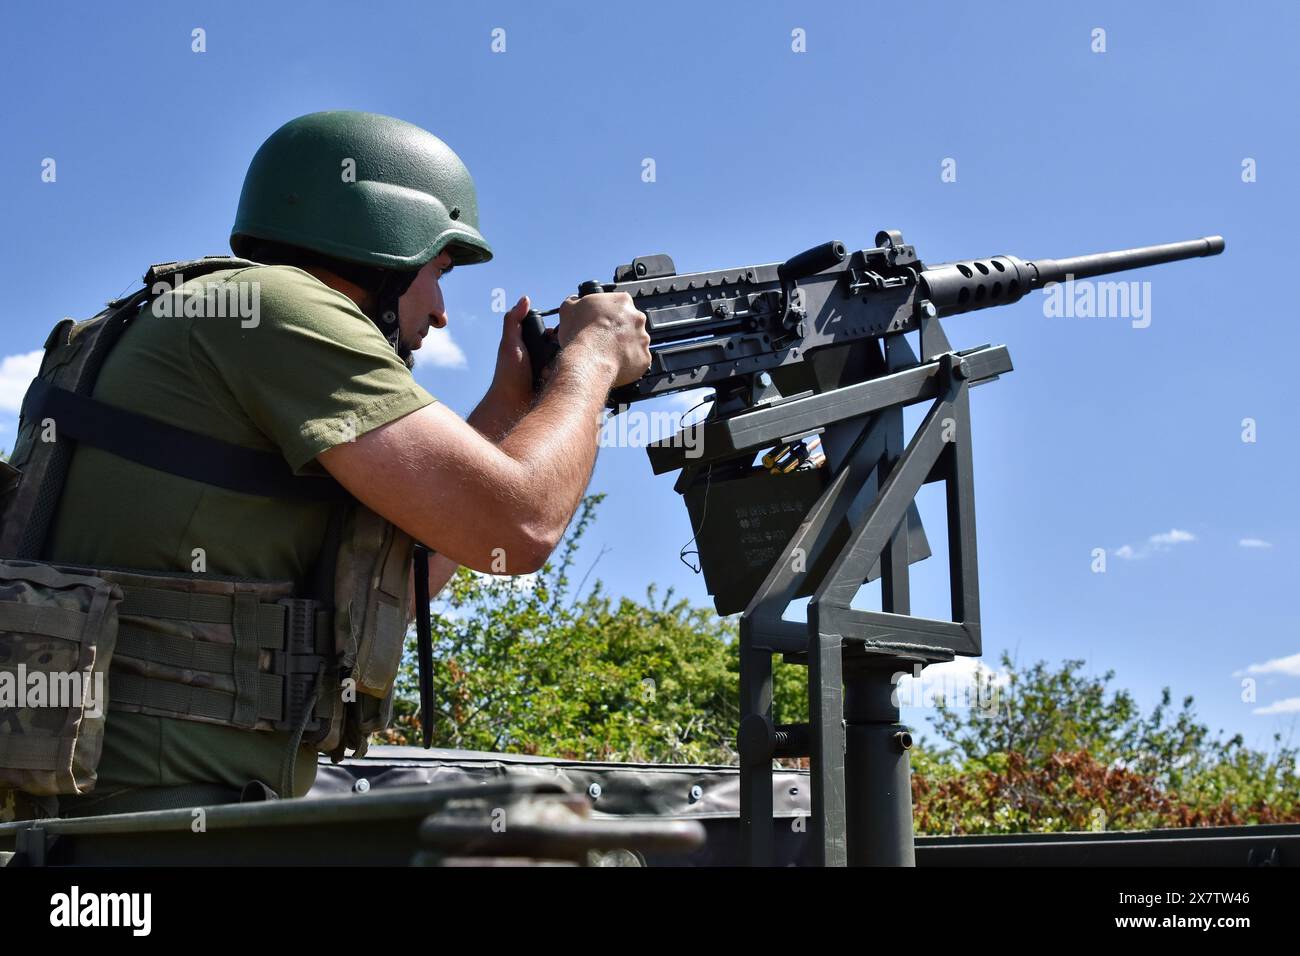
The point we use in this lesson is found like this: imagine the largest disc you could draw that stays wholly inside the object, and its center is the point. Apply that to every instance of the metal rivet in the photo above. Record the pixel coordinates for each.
(361, 786)
(696, 792)
(594, 791)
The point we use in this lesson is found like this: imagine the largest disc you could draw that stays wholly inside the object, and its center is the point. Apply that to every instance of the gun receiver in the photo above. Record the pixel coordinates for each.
(723, 328)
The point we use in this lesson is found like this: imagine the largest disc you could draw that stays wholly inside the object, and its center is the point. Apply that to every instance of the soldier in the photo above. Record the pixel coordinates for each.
(352, 219)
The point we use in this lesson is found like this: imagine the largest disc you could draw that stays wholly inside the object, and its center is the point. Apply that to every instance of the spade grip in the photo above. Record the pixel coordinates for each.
(541, 347)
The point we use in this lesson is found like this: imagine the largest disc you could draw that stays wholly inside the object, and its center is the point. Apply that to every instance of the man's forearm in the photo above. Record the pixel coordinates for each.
(557, 439)
(493, 420)
(577, 382)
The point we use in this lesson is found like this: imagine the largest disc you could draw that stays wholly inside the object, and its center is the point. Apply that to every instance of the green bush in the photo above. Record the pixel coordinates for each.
(540, 666)
(1063, 751)
(533, 666)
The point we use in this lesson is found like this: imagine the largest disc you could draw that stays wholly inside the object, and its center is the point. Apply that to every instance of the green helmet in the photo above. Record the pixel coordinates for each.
(362, 188)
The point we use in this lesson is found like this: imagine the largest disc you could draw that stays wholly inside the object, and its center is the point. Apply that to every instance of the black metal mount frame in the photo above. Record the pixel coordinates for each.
(860, 774)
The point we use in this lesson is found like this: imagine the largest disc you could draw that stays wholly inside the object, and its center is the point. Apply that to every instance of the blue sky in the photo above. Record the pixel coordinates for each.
(1106, 436)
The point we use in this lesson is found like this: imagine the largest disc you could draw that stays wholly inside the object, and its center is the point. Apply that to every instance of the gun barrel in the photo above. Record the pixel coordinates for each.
(1104, 263)
(1000, 280)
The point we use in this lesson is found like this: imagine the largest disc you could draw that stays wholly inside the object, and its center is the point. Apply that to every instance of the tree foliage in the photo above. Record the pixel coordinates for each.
(537, 665)
(542, 665)
(1063, 750)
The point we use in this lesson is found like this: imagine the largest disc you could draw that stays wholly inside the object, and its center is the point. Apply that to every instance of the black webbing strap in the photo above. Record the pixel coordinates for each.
(424, 643)
(177, 451)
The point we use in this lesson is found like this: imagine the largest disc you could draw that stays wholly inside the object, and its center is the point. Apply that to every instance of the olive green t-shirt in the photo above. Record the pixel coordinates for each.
(286, 364)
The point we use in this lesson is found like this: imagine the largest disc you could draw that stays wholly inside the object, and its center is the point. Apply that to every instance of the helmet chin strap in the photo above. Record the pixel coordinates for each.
(384, 312)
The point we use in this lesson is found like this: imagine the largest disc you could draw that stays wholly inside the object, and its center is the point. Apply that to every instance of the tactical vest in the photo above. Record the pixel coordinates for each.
(235, 652)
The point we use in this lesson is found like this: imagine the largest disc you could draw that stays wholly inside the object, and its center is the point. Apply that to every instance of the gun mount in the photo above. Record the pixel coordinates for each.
(801, 482)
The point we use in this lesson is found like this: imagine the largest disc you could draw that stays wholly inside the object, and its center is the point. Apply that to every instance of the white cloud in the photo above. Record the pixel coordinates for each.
(1156, 542)
(965, 668)
(1173, 536)
(1289, 705)
(956, 683)
(1254, 543)
(16, 373)
(1289, 666)
(441, 350)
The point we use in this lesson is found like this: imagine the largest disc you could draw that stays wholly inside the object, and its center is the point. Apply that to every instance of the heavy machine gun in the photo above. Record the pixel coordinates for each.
(814, 351)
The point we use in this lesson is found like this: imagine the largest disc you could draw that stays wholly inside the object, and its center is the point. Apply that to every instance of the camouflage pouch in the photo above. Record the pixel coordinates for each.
(372, 600)
(58, 631)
